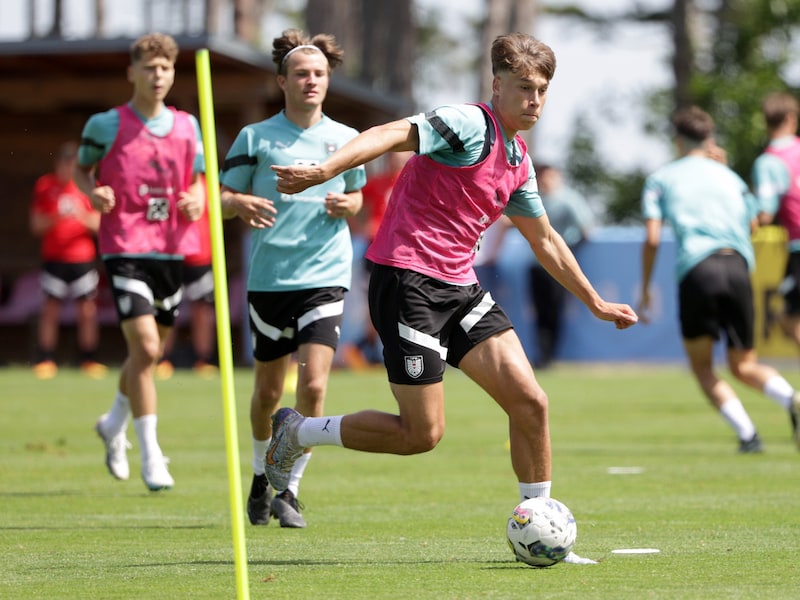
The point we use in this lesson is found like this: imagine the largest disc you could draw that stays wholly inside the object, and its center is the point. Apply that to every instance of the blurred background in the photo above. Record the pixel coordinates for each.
(623, 67)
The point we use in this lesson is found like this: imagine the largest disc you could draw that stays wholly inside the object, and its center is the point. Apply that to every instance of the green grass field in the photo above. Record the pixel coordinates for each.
(432, 526)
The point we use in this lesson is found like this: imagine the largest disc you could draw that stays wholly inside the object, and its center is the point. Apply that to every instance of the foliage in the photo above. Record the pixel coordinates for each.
(742, 50)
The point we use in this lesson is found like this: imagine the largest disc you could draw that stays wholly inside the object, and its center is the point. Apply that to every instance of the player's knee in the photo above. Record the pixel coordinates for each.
(425, 441)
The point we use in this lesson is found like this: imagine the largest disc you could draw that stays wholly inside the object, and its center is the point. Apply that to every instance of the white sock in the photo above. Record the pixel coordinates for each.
(737, 417)
(260, 455)
(320, 431)
(116, 419)
(297, 472)
(780, 391)
(145, 427)
(533, 490)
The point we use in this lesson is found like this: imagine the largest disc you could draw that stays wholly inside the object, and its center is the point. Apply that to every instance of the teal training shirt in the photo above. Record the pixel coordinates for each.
(305, 249)
(708, 206)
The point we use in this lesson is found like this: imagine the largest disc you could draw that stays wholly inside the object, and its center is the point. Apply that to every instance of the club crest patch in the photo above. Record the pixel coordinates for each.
(414, 365)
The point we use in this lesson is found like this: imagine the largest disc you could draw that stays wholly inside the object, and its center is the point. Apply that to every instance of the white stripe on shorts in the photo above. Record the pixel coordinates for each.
(320, 312)
(477, 313)
(421, 339)
(268, 330)
(133, 286)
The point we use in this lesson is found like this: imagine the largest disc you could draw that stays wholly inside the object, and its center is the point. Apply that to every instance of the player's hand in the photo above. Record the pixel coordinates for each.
(622, 315)
(103, 199)
(190, 205)
(257, 212)
(644, 307)
(341, 206)
(296, 178)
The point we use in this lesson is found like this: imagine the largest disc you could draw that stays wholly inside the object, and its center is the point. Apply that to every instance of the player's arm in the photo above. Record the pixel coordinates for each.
(649, 252)
(397, 136)
(343, 206)
(554, 255)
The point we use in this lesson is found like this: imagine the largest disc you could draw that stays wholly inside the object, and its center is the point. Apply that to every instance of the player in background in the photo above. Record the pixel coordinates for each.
(424, 297)
(63, 217)
(776, 180)
(712, 214)
(140, 164)
(300, 255)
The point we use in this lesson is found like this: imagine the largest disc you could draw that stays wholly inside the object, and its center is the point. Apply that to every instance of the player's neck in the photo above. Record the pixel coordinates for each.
(303, 118)
(147, 109)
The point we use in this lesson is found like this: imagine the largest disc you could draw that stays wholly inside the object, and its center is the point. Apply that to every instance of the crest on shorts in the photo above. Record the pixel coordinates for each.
(414, 365)
(125, 304)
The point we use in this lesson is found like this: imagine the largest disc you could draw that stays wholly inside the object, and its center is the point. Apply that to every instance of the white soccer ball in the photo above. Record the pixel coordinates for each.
(541, 531)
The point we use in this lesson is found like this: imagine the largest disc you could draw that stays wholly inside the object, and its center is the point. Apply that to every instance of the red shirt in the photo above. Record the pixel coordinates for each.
(69, 240)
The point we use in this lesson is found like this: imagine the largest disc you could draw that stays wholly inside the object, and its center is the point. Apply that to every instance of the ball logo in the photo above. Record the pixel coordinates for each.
(414, 366)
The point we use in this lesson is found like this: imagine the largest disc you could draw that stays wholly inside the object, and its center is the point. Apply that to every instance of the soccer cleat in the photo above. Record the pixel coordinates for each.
(258, 502)
(283, 450)
(94, 369)
(164, 370)
(286, 508)
(751, 446)
(116, 452)
(574, 559)
(794, 415)
(155, 474)
(46, 369)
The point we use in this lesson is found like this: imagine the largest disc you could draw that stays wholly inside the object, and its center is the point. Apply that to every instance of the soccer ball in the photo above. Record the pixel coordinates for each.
(541, 531)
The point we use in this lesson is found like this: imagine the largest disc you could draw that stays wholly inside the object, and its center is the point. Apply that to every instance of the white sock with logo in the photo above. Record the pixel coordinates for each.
(320, 431)
(534, 490)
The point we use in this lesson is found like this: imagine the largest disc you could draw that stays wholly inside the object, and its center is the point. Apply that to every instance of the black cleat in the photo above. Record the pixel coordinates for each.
(259, 501)
(751, 446)
(286, 509)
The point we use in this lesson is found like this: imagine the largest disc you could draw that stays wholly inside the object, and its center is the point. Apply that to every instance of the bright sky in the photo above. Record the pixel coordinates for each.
(604, 78)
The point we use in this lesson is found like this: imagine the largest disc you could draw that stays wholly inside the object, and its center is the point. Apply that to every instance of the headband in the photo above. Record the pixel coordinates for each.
(295, 49)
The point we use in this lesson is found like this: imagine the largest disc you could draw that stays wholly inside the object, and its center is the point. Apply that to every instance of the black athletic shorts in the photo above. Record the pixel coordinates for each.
(198, 283)
(281, 321)
(717, 296)
(69, 280)
(146, 286)
(790, 286)
(425, 323)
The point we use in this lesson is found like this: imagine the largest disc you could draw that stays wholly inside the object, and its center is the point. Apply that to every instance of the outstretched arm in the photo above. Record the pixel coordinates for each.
(649, 252)
(369, 145)
(555, 256)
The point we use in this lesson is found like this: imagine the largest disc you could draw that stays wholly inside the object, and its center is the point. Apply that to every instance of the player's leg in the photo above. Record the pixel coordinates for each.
(720, 394)
(499, 365)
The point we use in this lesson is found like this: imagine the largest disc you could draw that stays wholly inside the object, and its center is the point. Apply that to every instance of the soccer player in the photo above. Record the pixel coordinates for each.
(776, 179)
(67, 223)
(300, 255)
(140, 165)
(712, 214)
(469, 168)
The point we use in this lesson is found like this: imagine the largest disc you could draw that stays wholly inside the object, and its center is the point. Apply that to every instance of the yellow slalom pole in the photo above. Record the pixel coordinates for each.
(223, 319)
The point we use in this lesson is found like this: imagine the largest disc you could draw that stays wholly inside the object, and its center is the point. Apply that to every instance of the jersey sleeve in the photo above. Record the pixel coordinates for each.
(452, 134)
(199, 155)
(770, 182)
(651, 199)
(240, 162)
(97, 137)
(526, 201)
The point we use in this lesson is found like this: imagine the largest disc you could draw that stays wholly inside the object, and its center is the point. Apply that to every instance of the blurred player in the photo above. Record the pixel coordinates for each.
(64, 218)
(470, 167)
(712, 214)
(140, 164)
(300, 254)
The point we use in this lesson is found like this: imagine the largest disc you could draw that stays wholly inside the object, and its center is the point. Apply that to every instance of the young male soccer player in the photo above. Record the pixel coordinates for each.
(428, 308)
(140, 165)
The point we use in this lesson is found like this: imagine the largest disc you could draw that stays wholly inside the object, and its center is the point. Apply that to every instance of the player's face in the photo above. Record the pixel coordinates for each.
(518, 100)
(152, 78)
(305, 84)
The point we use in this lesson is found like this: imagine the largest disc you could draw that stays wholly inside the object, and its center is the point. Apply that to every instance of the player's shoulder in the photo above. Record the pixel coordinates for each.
(107, 119)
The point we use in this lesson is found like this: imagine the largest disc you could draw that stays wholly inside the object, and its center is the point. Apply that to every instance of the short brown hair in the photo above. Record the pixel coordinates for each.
(154, 44)
(777, 106)
(523, 54)
(693, 123)
(292, 38)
